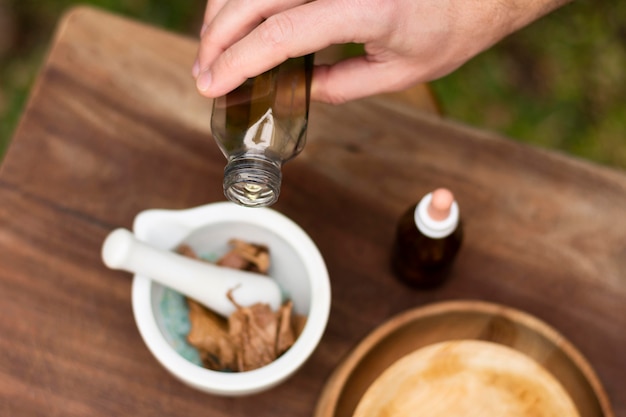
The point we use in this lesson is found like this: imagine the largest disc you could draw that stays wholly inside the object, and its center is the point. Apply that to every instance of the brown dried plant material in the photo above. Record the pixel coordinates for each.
(187, 251)
(299, 321)
(286, 335)
(253, 331)
(252, 336)
(209, 334)
(246, 256)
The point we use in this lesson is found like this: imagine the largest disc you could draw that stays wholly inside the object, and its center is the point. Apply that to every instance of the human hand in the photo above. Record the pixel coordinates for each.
(406, 41)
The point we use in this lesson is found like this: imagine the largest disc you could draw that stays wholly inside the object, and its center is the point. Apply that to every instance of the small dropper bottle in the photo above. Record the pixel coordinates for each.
(428, 238)
(261, 125)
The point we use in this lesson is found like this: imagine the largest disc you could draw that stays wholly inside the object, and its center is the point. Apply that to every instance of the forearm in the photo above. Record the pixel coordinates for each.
(479, 24)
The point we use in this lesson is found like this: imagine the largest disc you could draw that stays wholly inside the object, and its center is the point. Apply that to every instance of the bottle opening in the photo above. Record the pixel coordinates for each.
(250, 194)
(252, 182)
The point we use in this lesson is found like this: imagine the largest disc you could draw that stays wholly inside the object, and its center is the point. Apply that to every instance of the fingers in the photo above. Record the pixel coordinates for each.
(226, 22)
(258, 46)
(234, 20)
(361, 77)
(212, 8)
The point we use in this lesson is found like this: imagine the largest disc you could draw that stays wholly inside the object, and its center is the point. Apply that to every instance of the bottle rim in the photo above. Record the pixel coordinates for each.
(252, 182)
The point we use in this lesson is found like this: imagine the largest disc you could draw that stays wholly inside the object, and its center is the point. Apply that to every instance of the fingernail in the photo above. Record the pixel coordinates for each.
(204, 81)
(195, 70)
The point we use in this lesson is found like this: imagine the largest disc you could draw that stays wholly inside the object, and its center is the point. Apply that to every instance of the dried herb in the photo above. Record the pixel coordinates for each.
(246, 256)
(253, 336)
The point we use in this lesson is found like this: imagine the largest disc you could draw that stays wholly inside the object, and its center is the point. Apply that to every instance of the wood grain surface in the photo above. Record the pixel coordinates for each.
(114, 126)
(449, 378)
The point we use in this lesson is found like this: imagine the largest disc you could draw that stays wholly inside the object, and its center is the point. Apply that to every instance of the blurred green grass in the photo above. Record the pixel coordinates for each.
(559, 83)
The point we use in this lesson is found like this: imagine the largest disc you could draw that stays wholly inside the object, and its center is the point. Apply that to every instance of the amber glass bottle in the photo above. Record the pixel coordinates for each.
(261, 125)
(428, 238)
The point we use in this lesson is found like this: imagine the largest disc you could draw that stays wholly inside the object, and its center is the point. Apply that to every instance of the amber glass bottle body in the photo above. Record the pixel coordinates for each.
(421, 261)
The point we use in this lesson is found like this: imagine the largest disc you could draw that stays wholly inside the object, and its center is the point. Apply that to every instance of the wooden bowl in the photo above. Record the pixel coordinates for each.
(462, 321)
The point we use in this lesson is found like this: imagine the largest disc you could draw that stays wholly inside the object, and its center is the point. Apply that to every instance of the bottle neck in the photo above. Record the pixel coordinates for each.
(252, 180)
(436, 229)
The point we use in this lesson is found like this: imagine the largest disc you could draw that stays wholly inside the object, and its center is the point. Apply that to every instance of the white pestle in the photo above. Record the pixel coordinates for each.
(202, 281)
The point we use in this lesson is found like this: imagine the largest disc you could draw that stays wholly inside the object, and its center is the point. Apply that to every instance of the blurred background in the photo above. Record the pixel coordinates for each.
(559, 83)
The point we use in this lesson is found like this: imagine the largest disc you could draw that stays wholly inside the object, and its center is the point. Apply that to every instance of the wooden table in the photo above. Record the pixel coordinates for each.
(114, 126)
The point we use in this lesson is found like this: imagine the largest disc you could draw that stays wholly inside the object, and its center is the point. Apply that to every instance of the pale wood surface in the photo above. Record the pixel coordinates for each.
(487, 378)
(114, 126)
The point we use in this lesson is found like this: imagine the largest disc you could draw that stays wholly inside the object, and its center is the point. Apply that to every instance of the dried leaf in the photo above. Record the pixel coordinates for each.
(252, 336)
(186, 250)
(233, 260)
(209, 334)
(253, 257)
(285, 336)
(299, 321)
(253, 331)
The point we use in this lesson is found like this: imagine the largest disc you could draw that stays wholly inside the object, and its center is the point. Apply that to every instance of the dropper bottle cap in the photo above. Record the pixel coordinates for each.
(437, 214)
